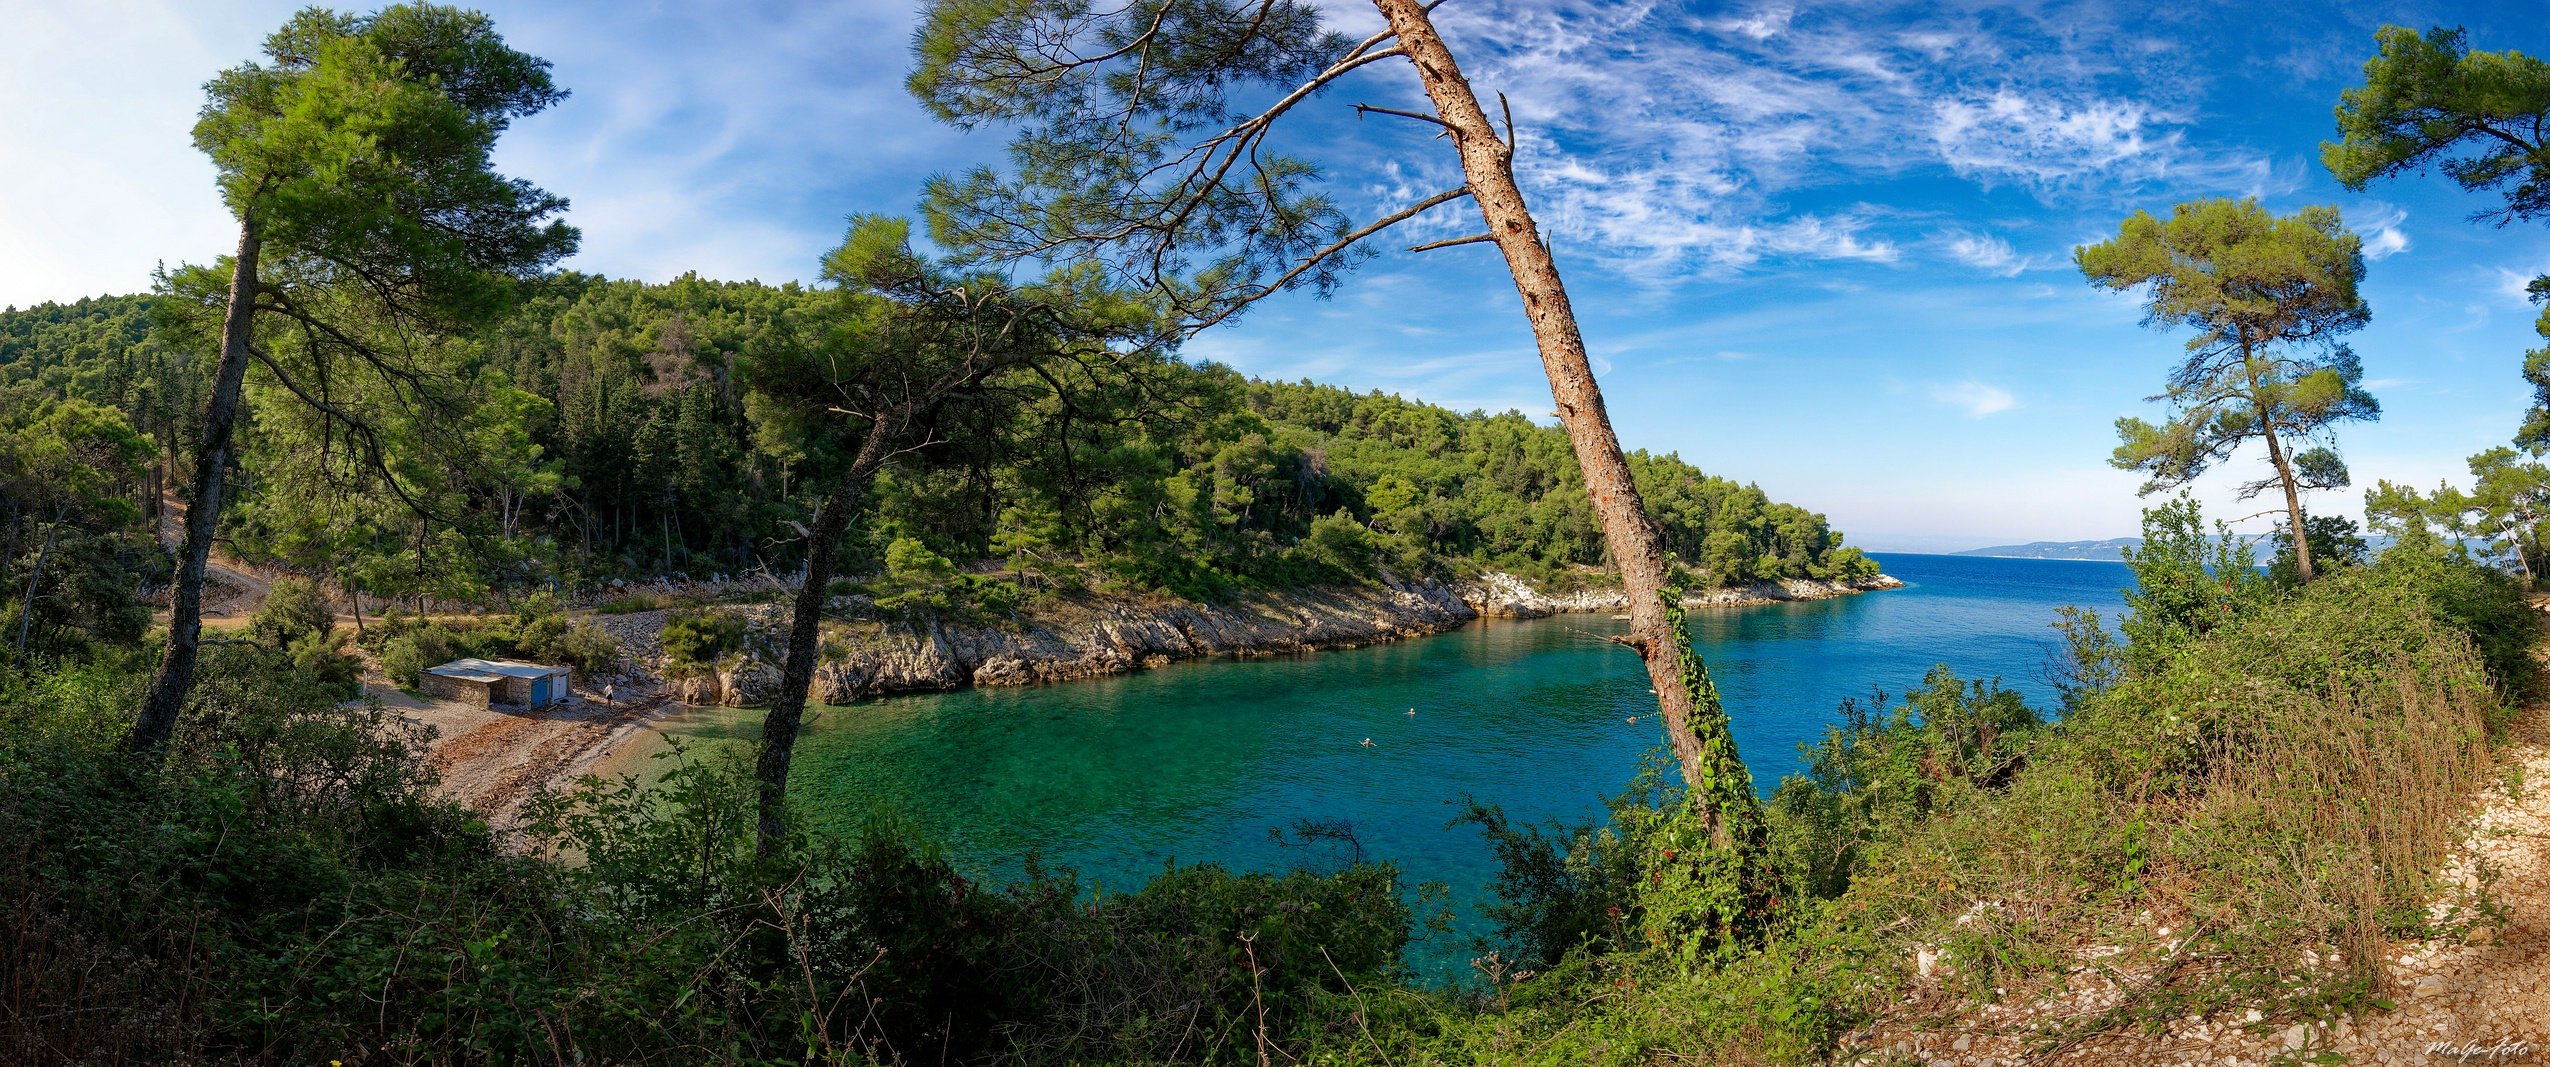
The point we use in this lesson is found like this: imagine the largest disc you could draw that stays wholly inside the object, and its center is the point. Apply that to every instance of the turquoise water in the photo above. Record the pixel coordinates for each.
(1199, 761)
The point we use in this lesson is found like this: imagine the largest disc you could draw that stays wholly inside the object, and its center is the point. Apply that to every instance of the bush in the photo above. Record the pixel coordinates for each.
(405, 656)
(322, 658)
(1340, 546)
(293, 609)
(543, 633)
(2485, 604)
(632, 604)
(588, 647)
(403, 662)
(892, 948)
(2185, 582)
(693, 640)
(1888, 767)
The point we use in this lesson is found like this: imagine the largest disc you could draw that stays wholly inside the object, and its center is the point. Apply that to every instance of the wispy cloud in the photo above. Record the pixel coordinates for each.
(1670, 146)
(2044, 140)
(1984, 252)
(2380, 229)
(2516, 285)
(1976, 399)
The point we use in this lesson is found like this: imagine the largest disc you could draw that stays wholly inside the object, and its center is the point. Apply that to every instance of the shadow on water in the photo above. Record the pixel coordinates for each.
(1203, 761)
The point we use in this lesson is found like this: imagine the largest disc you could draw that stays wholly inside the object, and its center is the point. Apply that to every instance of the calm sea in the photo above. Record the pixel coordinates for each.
(1204, 761)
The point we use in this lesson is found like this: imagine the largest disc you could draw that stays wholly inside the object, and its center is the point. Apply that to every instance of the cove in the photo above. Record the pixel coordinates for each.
(1204, 761)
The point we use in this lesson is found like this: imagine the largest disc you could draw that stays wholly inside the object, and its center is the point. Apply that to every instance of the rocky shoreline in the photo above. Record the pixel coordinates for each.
(1094, 637)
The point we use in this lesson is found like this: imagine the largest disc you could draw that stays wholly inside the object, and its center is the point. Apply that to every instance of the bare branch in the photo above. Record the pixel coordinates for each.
(1341, 244)
(1360, 109)
(1472, 239)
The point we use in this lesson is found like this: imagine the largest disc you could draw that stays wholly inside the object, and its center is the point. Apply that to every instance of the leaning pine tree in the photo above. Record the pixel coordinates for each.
(1130, 153)
(861, 371)
(370, 219)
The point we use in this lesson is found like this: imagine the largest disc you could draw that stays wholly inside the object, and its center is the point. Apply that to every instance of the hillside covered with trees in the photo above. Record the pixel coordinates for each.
(615, 429)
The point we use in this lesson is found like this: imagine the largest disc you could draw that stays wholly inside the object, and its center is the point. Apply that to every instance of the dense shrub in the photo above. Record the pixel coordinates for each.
(405, 656)
(1888, 767)
(2271, 772)
(693, 640)
(285, 890)
(294, 608)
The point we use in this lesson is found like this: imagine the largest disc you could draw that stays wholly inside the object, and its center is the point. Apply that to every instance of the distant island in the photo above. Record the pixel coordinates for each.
(2111, 550)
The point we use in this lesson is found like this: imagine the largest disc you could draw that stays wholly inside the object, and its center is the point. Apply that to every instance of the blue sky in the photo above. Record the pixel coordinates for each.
(1823, 247)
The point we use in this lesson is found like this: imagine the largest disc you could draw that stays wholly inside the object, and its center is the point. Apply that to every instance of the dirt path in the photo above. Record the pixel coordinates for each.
(494, 760)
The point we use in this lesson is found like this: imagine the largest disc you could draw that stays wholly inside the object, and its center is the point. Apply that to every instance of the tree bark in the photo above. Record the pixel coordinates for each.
(2292, 503)
(805, 636)
(35, 581)
(176, 673)
(2276, 458)
(1635, 543)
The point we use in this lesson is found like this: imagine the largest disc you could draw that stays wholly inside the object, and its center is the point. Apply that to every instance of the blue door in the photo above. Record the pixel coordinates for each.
(540, 691)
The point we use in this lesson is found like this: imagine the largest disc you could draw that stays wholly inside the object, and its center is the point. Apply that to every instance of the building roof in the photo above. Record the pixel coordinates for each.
(489, 670)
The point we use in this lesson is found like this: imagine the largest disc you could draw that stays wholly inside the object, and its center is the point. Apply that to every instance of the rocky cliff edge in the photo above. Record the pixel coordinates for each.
(1088, 637)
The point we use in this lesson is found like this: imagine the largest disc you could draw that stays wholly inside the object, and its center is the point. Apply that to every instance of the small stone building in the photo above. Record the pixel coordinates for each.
(494, 683)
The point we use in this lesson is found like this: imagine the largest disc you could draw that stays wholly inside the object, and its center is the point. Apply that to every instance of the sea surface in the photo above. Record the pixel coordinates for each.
(1206, 761)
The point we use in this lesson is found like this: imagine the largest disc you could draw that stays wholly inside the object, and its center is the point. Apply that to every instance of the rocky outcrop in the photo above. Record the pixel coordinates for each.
(1090, 637)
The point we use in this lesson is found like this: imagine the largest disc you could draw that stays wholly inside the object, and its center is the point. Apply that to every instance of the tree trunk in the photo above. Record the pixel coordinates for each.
(1631, 535)
(176, 673)
(35, 581)
(805, 639)
(2292, 503)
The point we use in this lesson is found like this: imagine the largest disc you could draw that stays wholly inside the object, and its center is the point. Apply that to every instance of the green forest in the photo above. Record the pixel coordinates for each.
(614, 429)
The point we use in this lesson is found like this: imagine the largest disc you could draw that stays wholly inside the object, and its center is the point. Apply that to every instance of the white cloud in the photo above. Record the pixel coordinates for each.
(1762, 25)
(1670, 146)
(2515, 285)
(1975, 398)
(1984, 252)
(2045, 140)
(2381, 232)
